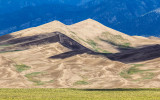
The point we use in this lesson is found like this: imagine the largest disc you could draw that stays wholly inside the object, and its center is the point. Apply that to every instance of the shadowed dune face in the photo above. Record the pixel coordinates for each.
(137, 55)
(126, 55)
(58, 56)
(23, 43)
(5, 37)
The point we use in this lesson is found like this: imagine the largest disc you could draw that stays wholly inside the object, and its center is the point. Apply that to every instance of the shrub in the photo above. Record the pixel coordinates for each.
(22, 67)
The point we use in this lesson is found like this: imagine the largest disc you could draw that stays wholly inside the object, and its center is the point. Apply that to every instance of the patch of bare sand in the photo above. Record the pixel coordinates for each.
(9, 77)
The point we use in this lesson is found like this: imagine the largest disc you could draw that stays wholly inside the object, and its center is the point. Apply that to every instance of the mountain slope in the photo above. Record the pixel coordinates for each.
(146, 25)
(34, 16)
(110, 13)
(7, 6)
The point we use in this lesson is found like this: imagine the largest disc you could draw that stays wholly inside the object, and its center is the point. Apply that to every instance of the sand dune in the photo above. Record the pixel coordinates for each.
(83, 55)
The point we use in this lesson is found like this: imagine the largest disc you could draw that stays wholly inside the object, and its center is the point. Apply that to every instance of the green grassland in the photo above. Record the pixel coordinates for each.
(79, 94)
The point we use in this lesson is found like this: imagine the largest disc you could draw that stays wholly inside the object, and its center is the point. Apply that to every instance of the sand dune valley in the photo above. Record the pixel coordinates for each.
(83, 55)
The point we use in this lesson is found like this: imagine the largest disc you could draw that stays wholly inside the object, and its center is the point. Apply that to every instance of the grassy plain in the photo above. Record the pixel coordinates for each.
(79, 94)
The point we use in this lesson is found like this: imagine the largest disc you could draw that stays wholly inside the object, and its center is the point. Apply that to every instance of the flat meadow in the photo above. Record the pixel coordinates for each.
(79, 94)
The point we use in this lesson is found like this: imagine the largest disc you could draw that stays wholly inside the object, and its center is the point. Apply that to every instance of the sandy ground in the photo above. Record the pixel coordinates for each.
(95, 70)
(92, 71)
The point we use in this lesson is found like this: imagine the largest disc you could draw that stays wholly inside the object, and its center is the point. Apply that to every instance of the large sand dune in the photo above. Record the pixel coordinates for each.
(83, 55)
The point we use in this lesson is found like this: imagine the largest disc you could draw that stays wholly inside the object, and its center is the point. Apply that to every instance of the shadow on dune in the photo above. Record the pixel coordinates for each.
(121, 89)
(5, 37)
(127, 56)
(130, 55)
(30, 40)
(12, 44)
(69, 54)
(137, 55)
